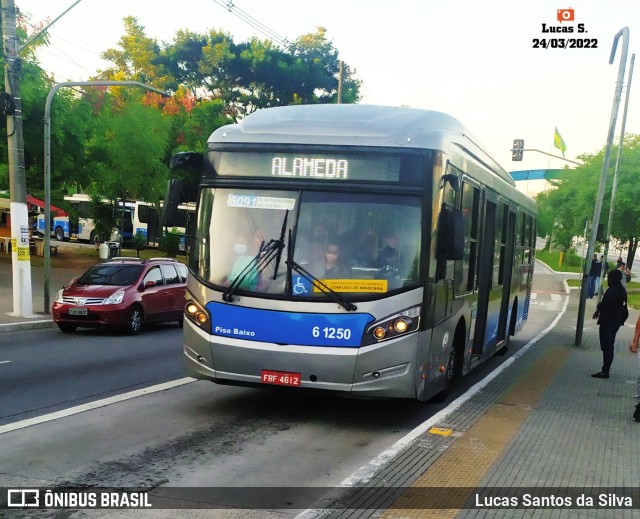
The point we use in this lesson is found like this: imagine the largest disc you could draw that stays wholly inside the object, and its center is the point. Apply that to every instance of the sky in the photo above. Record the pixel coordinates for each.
(473, 59)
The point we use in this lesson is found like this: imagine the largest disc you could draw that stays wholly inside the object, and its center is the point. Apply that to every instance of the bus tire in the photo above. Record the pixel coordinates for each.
(59, 234)
(134, 320)
(67, 327)
(514, 315)
(454, 365)
(503, 351)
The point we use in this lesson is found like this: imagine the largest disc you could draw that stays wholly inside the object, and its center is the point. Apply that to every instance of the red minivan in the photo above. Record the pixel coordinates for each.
(123, 293)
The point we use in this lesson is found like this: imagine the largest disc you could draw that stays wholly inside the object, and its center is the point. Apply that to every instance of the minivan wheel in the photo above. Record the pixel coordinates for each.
(67, 328)
(134, 322)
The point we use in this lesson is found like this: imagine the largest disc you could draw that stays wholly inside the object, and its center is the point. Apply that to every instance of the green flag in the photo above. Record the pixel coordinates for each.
(558, 142)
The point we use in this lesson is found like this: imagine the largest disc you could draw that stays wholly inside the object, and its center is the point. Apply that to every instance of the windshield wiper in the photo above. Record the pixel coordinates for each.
(329, 292)
(272, 250)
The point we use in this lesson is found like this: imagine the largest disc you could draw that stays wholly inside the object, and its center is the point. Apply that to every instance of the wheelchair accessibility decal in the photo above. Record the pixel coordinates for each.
(301, 285)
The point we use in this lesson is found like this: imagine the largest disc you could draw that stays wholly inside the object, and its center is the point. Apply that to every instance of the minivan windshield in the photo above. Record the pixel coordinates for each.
(355, 243)
(116, 275)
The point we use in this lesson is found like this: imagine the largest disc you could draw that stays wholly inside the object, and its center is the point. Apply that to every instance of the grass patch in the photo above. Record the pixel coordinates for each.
(571, 262)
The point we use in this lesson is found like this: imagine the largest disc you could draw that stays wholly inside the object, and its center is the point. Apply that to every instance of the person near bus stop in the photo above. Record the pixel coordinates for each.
(626, 274)
(634, 348)
(594, 275)
(603, 273)
(609, 315)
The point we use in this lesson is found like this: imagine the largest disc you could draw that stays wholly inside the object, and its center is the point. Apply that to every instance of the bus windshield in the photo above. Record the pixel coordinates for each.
(354, 243)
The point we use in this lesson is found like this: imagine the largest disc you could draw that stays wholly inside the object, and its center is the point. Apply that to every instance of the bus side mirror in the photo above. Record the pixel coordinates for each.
(450, 234)
(187, 159)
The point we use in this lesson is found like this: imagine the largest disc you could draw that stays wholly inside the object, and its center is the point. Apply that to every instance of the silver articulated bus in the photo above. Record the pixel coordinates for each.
(370, 251)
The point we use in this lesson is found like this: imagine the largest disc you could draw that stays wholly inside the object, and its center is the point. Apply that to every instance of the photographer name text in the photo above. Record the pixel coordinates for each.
(608, 500)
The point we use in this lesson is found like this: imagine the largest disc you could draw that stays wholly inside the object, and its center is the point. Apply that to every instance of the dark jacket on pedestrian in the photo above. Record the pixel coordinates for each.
(610, 308)
(596, 268)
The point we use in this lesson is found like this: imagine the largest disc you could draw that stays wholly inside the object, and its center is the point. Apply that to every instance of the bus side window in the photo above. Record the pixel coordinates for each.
(465, 273)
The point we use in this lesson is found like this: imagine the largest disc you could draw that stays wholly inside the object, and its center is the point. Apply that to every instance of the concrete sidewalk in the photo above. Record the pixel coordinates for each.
(543, 426)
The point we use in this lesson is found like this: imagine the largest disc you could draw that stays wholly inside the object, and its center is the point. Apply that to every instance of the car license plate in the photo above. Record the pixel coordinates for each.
(78, 311)
(280, 378)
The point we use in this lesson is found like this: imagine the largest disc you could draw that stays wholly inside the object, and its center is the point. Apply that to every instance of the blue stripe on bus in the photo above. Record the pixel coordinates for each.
(307, 329)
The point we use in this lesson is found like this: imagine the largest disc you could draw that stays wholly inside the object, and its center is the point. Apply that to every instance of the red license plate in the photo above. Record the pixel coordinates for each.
(280, 378)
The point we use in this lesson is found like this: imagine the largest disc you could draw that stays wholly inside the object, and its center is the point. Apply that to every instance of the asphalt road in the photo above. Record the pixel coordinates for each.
(198, 434)
(43, 371)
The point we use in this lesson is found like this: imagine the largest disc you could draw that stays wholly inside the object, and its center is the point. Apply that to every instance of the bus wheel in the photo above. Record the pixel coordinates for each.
(134, 321)
(454, 366)
(503, 351)
(67, 327)
(59, 234)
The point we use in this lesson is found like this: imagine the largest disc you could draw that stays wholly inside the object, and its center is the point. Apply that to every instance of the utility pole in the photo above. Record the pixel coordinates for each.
(340, 83)
(624, 32)
(20, 257)
(20, 253)
(614, 187)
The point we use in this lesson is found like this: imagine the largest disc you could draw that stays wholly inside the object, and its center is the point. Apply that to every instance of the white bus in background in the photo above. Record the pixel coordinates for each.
(140, 217)
(80, 224)
(146, 221)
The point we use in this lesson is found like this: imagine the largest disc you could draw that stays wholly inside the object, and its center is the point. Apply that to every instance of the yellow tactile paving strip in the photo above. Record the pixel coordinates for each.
(468, 459)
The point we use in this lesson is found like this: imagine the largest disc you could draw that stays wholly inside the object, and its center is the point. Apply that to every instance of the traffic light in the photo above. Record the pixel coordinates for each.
(518, 149)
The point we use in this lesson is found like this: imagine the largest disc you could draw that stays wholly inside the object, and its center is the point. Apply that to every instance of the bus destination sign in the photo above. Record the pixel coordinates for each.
(321, 166)
(310, 167)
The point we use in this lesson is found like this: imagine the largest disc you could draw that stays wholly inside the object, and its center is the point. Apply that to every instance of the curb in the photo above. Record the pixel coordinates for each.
(26, 325)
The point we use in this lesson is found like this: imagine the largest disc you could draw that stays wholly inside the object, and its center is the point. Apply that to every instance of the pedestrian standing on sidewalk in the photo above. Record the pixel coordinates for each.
(609, 315)
(603, 273)
(634, 348)
(594, 274)
(626, 274)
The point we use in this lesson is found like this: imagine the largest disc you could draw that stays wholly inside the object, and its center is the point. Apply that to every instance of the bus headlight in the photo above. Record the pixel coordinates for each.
(401, 325)
(197, 314)
(393, 326)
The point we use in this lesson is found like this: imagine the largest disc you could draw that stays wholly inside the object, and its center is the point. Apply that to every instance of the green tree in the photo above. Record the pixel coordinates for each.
(574, 197)
(135, 59)
(128, 152)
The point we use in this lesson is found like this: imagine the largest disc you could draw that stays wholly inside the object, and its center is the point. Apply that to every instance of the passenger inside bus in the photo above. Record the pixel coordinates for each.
(332, 265)
(244, 272)
(389, 260)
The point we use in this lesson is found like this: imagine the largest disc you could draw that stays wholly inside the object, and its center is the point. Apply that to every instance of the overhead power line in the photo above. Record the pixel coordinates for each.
(253, 22)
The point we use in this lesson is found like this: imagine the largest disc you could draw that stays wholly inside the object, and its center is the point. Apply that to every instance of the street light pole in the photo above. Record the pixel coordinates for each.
(47, 167)
(614, 187)
(624, 32)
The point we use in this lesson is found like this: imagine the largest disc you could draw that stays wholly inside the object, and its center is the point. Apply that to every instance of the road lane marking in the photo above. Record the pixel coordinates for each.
(94, 405)
(366, 472)
(5, 361)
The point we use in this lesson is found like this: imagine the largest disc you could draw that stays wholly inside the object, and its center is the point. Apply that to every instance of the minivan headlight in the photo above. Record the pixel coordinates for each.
(59, 296)
(115, 298)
